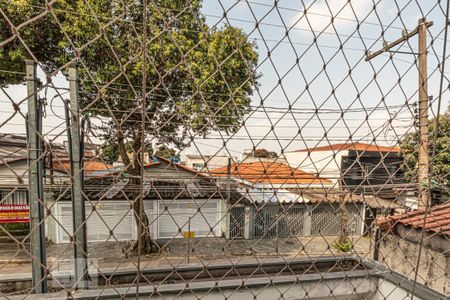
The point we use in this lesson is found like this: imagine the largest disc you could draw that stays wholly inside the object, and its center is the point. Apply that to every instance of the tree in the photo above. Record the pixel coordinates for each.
(199, 79)
(110, 152)
(166, 152)
(263, 153)
(41, 37)
(441, 167)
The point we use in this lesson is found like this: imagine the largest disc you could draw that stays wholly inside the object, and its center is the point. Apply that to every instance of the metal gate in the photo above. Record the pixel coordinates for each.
(263, 222)
(282, 221)
(326, 220)
(237, 222)
(291, 222)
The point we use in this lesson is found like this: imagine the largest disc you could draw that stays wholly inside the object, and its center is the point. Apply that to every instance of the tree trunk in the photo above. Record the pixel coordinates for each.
(144, 243)
(343, 235)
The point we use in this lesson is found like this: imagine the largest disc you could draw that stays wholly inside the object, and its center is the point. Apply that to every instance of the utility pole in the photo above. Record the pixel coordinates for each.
(424, 156)
(35, 182)
(423, 160)
(77, 179)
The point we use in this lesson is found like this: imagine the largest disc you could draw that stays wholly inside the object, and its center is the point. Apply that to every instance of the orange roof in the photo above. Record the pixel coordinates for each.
(269, 172)
(353, 146)
(89, 166)
(437, 221)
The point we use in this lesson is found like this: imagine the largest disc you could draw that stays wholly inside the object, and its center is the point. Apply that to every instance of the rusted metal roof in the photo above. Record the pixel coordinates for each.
(437, 220)
(333, 196)
(268, 172)
(352, 146)
(12, 148)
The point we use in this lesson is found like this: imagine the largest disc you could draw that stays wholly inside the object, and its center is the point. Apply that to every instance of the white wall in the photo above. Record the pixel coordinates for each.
(8, 174)
(212, 162)
(119, 217)
(319, 162)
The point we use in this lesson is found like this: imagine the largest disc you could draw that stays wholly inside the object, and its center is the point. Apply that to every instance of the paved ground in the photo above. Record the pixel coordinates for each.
(203, 250)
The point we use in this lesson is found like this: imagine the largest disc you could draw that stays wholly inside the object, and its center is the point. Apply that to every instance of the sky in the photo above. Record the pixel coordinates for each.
(315, 87)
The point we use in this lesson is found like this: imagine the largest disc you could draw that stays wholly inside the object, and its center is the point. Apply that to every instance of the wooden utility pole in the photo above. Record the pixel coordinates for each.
(423, 160)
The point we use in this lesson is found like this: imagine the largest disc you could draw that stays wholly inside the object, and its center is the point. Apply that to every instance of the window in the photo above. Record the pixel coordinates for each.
(198, 166)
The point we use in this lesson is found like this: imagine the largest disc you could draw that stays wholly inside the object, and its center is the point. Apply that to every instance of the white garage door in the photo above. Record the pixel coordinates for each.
(174, 218)
(115, 217)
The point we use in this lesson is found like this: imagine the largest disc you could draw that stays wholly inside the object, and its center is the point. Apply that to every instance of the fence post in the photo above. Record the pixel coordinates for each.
(376, 248)
(78, 208)
(247, 223)
(276, 229)
(189, 241)
(228, 201)
(35, 183)
(307, 221)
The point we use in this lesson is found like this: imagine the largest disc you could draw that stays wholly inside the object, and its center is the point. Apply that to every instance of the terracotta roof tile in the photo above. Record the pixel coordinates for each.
(89, 166)
(269, 172)
(438, 220)
(353, 146)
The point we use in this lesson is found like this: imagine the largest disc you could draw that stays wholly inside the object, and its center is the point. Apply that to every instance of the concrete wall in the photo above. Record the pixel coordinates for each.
(400, 255)
(388, 290)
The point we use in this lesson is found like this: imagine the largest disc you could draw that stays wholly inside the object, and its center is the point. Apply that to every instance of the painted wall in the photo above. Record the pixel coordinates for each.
(401, 256)
(319, 162)
(213, 162)
(165, 218)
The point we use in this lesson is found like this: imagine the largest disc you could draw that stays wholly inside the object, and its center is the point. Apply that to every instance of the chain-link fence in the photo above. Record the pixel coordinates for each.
(224, 149)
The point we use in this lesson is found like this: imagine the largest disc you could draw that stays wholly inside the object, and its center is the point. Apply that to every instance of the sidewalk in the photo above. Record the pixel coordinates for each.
(203, 250)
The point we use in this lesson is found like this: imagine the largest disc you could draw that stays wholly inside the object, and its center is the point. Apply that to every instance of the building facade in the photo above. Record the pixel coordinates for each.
(203, 163)
(357, 167)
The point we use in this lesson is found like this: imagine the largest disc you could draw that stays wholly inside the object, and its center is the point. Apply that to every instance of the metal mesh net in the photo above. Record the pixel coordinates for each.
(224, 149)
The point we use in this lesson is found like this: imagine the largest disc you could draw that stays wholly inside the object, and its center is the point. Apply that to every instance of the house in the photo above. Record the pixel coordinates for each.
(13, 170)
(358, 167)
(399, 240)
(60, 169)
(175, 197)
(279, 200)
(264, 213)
(204, 162)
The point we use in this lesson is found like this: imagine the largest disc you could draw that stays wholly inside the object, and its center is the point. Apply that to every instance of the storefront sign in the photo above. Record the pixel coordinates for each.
(10, 213)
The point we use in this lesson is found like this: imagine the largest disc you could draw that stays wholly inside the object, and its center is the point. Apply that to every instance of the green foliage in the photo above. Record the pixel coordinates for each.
(15, 229)
(263, 153)
(199, 79)
(109, 153)
(41, 37)
(166, 152)
(344, 246)
(441, 167)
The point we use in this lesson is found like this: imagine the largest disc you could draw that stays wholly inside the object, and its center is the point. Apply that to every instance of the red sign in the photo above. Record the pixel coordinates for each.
(14, 213)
